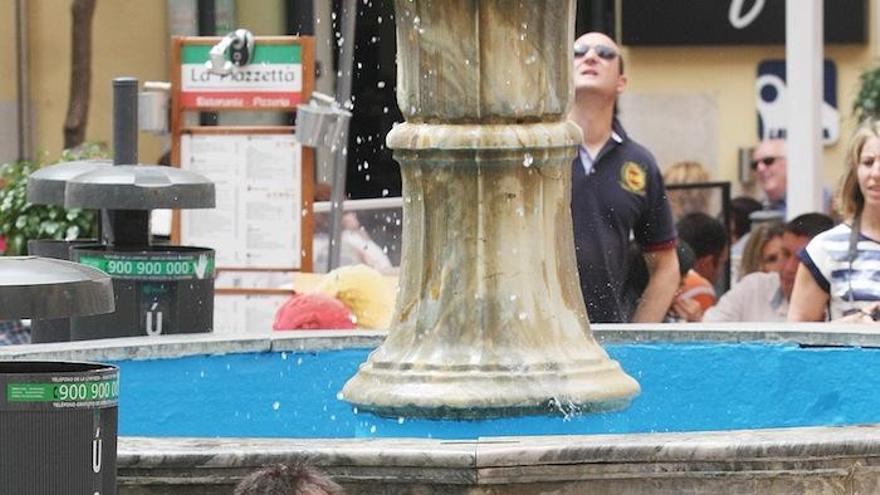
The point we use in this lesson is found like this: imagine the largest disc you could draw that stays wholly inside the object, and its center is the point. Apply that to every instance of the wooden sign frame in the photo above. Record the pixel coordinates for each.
(178, 130)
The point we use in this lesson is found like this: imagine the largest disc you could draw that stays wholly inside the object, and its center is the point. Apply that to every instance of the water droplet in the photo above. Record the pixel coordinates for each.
(283, 355)
(276, 405)
(373, 429)
(339, 396)
(528, 159)
(380, 84)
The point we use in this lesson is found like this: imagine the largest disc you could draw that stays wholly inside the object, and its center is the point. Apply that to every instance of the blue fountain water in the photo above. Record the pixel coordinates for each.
(685, 387)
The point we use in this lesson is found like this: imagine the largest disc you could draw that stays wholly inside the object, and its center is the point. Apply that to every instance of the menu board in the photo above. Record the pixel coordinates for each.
(257, 223)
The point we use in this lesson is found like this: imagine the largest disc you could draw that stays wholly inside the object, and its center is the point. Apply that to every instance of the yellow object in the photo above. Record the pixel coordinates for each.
(367, 293)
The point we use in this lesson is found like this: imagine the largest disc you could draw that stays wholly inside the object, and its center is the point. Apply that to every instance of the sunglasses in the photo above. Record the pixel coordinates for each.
(767, 161)
(604, 52)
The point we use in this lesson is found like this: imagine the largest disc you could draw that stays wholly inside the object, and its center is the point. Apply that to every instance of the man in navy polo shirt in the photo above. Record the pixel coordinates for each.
(617, 192)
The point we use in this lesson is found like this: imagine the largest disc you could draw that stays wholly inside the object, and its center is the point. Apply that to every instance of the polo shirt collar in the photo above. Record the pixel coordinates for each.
(618, 135)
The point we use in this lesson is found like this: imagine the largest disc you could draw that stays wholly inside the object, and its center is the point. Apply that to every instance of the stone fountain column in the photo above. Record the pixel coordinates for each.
(489, 318)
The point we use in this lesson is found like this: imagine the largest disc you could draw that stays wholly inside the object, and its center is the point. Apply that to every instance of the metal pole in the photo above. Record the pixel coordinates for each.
(22, 80)
(803, 54)
(207, 26)
(125, 227)
(343, 96)
(301, 17)
(125, 123)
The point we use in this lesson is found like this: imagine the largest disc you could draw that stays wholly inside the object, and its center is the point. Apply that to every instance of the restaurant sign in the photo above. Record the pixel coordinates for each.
(272, 80)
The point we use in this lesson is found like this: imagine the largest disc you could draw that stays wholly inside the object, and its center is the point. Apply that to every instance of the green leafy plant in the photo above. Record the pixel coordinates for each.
(867, 102)
(21, 221)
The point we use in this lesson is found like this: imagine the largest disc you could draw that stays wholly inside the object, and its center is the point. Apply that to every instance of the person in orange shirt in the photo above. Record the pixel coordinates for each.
(708, 238)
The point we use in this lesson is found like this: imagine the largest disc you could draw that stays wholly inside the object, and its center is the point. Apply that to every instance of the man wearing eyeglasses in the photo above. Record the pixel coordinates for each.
(769, 165)
(617, 192)
(771, 171)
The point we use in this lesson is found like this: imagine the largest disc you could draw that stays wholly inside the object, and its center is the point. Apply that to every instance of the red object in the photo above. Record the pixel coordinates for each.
(312, 311)
(2, 244)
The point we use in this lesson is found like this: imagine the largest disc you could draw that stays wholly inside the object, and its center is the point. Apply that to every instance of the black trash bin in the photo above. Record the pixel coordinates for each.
(52, 329)
(58, 428)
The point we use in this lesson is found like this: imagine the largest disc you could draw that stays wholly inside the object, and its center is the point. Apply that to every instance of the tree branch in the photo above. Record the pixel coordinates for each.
(80, 73)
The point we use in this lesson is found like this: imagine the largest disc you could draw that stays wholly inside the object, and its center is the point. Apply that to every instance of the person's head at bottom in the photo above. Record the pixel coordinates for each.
(287, 479)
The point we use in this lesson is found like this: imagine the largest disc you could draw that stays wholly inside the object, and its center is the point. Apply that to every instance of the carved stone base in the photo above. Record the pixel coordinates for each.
(490, 319)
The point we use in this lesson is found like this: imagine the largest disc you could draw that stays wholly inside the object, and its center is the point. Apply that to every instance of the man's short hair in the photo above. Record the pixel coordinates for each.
(704, 234)
(284, 479)
(740, 209)
(809, 224)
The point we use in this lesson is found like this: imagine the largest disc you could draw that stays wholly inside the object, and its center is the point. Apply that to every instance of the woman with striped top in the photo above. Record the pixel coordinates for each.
(839, 276)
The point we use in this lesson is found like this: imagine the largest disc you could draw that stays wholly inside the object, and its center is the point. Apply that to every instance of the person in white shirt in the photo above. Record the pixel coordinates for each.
(763, 296)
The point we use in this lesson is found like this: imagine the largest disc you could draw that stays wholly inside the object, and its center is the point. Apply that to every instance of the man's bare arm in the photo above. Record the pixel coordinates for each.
(662, 286)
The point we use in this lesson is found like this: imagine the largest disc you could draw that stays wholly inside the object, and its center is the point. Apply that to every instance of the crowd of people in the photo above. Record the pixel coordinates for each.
(638, 264)
(648, 254)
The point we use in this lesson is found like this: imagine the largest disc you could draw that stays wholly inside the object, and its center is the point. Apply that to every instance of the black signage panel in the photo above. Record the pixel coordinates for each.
(731, 22)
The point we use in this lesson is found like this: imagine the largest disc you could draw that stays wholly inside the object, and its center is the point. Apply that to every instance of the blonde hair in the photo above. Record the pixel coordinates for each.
(687, 201)
(849, 200)
(752, 255)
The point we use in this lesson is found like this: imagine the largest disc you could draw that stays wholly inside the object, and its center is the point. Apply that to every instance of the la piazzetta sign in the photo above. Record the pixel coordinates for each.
(274, 79)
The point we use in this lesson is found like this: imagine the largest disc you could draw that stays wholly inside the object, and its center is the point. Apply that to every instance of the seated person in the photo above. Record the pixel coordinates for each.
(708, 238)
(637, 278)
(740, 223)
(14, 332)
(684, 201)
(283, 479)
(764, 296)
(763, 251)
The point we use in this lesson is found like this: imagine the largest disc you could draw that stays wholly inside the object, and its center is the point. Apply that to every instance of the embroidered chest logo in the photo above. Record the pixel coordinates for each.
(633, 178)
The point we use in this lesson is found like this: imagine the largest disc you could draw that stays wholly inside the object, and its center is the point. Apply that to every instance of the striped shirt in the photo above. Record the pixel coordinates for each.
(827, 258)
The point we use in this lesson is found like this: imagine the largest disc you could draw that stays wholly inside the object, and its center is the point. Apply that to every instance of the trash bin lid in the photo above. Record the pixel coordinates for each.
(46, 185)
(139, 187)
(34, 287)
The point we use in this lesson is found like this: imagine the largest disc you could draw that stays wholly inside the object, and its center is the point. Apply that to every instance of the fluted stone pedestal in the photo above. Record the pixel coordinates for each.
(489, 318)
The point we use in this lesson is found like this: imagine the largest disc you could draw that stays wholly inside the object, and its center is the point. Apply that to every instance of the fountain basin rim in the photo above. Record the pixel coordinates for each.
(168, 346)
(395, 456)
